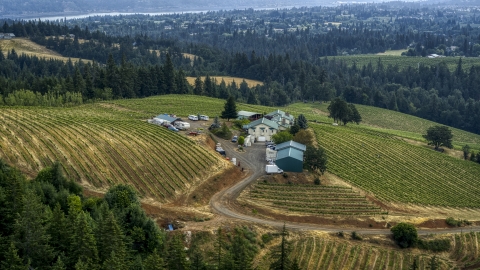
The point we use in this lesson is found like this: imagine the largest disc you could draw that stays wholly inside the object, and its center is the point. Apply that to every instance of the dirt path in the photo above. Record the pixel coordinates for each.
(253, 161)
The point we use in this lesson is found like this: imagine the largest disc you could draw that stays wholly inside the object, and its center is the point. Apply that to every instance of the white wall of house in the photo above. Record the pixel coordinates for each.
(262, 130)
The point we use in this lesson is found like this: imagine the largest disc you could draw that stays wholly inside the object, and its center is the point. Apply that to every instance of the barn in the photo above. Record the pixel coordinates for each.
(290, 156)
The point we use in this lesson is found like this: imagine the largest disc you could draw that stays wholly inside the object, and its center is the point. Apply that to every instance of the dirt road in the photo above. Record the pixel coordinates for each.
(253, 161)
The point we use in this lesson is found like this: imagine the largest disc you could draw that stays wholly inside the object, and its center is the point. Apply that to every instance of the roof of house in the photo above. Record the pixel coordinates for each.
(281, 113)
(167, 117)
(264, 121)
(290, 152)
(291, 144)
(246, 114)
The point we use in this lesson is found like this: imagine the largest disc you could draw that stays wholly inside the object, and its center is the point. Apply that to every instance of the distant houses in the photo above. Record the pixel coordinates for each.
(7, 35)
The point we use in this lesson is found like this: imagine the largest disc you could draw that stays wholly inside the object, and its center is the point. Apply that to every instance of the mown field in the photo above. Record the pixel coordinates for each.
(404, 61)
(101, 146)
(322, 200)
(30, 48)
(396, 171)
(317, 252)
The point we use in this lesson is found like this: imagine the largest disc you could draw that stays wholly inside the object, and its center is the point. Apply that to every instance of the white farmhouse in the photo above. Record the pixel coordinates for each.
(262, 129)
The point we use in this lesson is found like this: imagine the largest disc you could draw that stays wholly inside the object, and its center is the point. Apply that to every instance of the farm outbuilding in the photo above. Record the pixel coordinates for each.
(252, 116)
(290, 156)
(168, 118)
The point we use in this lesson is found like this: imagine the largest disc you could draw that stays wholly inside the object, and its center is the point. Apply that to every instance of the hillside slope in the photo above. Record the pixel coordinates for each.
(100, 146)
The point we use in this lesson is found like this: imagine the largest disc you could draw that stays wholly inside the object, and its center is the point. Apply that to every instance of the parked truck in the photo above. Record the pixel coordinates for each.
(272, 169)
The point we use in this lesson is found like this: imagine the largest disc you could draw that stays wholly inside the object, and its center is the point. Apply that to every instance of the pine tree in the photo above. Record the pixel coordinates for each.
(230, 109)
(219, 246)
(281, 254)
(176, 256)
(31, 233)
(198, 88)
(12, 189)
(302, 121)
(59, 265)
(110, 240)
(81, 265)
(58, 230)
(169, 73)
(12, 261)
(83, 244)
(114, 262)
(154, 262)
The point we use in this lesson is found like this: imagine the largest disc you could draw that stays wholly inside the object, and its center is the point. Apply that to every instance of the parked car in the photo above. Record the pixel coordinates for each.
(172, 128)
(204, 117)
(235, 138)
(193, 117)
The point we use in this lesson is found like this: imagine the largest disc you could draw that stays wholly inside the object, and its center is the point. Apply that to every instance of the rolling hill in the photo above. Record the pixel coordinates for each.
(100, 146)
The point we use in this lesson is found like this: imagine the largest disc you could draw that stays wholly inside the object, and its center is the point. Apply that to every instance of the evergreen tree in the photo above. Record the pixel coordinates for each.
(81, 265)
(466, 151)
(12, 189)
(198, 88)
(302, 121)
(110, 240)
(219, 246)
(58, 230)
(176, 256)
(83, 246)
(31, 233)
(114, 262)
(12, 261)
(230, 109)
(59, 265)
(154, 261)
(281, 254)
(169, 72)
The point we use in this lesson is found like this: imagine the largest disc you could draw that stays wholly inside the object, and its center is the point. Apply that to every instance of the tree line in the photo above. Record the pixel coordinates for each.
(48, 223)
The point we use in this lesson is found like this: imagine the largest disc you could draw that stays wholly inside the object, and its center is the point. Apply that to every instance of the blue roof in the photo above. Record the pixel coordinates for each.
(166, 117)
(291, 144)
(290, 152)
(264, 121)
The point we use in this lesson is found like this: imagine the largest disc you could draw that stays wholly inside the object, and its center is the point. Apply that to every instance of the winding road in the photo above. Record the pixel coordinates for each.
(253, 161)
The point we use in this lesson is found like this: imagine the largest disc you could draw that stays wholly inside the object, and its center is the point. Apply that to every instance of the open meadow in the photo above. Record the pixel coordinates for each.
(228, 80)
(30, 48)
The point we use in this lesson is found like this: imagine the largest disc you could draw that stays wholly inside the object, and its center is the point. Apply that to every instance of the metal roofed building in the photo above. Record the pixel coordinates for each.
(290, 156)
(262, 129)
(248, 115)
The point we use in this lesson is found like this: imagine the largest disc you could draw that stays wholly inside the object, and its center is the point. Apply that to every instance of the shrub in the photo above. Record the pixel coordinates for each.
(356, 236)
(316, 181)
(266, 238)
(405, 235)
(457, 223)
(435, 245)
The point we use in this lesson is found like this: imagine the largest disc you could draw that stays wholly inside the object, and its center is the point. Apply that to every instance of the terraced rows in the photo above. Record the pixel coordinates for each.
(396, 171)
(103, 147)
(311, 199)
(314, 252)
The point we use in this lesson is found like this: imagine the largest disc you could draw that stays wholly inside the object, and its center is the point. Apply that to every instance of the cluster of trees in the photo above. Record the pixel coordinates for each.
(340, 111)
(47, 223)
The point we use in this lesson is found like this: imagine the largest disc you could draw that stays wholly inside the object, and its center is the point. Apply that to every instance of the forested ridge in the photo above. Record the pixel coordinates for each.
(136, 56)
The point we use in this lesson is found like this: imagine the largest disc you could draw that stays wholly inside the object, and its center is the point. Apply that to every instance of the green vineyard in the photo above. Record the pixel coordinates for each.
(322, 200)
(103, 147)
(396, 171)
(315, 252)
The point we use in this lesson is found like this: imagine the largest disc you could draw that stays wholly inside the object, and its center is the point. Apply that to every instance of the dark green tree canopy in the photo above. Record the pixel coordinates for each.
(282, 136)
(315, 159)
(405, 234)
(439, 136)
(230, 109)
(302, 121)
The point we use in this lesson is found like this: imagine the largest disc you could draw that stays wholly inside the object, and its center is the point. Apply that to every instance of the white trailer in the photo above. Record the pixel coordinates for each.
(270, 154)
(182, 125)
(272, 169)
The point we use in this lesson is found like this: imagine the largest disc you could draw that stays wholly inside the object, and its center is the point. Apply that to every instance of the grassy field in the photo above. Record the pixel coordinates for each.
(228, 80)
(392, 58)
(100, 146)
(30, 48)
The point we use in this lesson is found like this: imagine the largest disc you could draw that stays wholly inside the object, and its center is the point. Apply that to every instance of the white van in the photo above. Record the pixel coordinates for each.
(204, 117)
(182, 125)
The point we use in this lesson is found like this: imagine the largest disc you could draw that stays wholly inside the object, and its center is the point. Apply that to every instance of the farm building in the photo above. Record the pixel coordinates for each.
(7, 36)
(168, 118)
(283, 119)
(290, 156)
(252, 116)
(262, 129)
